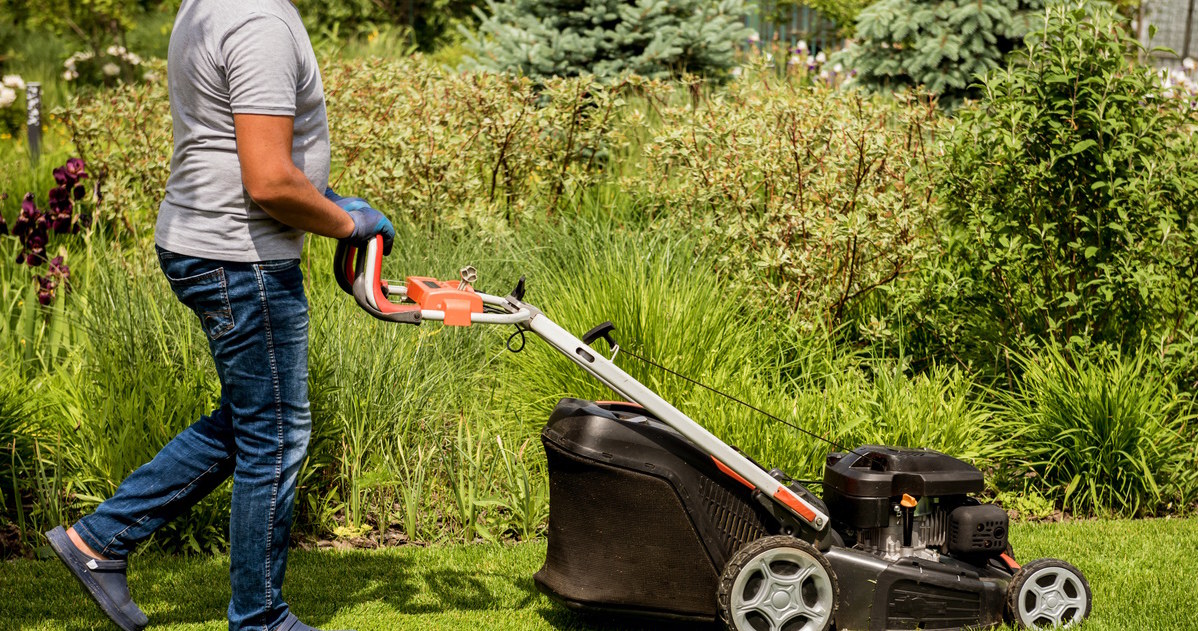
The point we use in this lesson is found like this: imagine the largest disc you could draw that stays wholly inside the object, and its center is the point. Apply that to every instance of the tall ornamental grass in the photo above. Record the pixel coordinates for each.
(140, 375)
(667, 307)
(1102, 437)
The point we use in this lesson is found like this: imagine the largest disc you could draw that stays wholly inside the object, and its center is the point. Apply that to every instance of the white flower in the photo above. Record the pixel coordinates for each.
(794, 60)
(8, 96)
(111, 51)
(801, 46)
(111, 70)
(70, 75)
(754, 37)
(150, 77)
(1189, 64)
(132, 58)
(823, 74)
(736, 71)
(821, 57)
(13, 81)
(69, 63)
(838, 68)
(769, 57)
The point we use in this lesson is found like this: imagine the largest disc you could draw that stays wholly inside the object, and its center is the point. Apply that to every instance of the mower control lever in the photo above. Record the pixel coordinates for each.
(602, 331)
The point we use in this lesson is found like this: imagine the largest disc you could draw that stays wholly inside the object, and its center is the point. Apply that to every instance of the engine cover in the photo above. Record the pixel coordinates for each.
(861, 486)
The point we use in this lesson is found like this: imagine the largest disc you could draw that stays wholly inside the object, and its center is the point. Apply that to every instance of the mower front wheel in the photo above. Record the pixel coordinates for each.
(778, 583)
(1048, 593)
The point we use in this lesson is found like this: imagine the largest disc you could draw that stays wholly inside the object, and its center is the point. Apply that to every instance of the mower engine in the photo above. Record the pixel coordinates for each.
(897, 503)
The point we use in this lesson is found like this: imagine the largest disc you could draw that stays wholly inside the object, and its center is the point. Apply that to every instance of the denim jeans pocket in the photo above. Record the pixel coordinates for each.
(278, 265)
(205, 293)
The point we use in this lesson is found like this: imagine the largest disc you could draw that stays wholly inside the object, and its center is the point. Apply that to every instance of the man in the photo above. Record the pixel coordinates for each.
(251, 159)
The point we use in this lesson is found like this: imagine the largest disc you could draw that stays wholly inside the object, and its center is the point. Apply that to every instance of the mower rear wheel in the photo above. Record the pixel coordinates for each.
(1048, 593)
(778, 583)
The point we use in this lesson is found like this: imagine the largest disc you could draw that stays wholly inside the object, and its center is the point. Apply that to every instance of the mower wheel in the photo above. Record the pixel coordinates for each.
(778, 583)
(1048, 593)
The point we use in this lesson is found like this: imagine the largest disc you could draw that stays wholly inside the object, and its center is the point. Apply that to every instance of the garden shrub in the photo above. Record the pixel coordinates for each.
(124, 135)
(1101, 437)
(1070, 193)
(430, 21)
(843, 12)
(467, 149)
(608, 39)
(811, 196)
(942, 45)
(96, 23)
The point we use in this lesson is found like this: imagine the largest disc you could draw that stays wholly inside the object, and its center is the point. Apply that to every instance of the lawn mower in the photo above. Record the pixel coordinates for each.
(651, 515)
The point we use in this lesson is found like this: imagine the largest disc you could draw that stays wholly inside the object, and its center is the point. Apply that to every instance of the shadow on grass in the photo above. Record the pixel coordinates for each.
(453, 587)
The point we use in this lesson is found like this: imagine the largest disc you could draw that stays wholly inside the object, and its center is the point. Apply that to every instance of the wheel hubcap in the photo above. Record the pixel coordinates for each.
(782, 589)
(1052, 597)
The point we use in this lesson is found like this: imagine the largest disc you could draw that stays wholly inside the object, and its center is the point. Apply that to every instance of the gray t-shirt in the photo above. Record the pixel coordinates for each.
(236, 57)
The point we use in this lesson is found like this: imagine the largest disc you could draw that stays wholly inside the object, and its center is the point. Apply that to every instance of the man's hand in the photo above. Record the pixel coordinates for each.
(367, 221)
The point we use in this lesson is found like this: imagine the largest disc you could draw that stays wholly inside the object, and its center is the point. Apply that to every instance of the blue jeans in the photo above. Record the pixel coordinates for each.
(256, 318)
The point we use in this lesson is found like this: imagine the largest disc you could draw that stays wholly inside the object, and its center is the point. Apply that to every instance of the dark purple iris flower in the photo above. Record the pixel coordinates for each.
(61, 206)
(34, 253)
(45, 291)
(60, 210)
(30, 228)
(27, 218)
(69, 174)
(57, 274)
(75, 167)
(59, 269)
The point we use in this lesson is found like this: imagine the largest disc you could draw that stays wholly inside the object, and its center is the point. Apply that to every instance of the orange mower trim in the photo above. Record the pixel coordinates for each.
(792, 501)
(732, 474)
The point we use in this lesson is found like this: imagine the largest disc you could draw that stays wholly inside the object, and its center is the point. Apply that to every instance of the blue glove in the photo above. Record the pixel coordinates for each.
(367, 221)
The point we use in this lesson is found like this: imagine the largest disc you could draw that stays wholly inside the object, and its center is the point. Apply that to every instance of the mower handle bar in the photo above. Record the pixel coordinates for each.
(358, 271)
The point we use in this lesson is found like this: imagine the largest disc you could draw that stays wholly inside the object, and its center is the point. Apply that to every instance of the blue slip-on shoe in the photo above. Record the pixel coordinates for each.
(104, 580)
(291, 623)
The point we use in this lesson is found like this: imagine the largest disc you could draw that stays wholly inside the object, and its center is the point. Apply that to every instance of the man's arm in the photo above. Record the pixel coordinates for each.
(276, 184)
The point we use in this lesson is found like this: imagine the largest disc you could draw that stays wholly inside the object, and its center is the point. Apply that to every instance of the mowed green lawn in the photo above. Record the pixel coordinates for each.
(1142, 574)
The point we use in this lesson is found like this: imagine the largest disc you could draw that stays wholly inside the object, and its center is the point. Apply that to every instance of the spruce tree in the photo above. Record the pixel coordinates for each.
(943, 45)
(607, 38)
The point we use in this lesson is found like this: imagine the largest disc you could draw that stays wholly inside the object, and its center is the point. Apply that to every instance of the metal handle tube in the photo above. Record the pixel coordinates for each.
(626, 386)
(481, 318)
